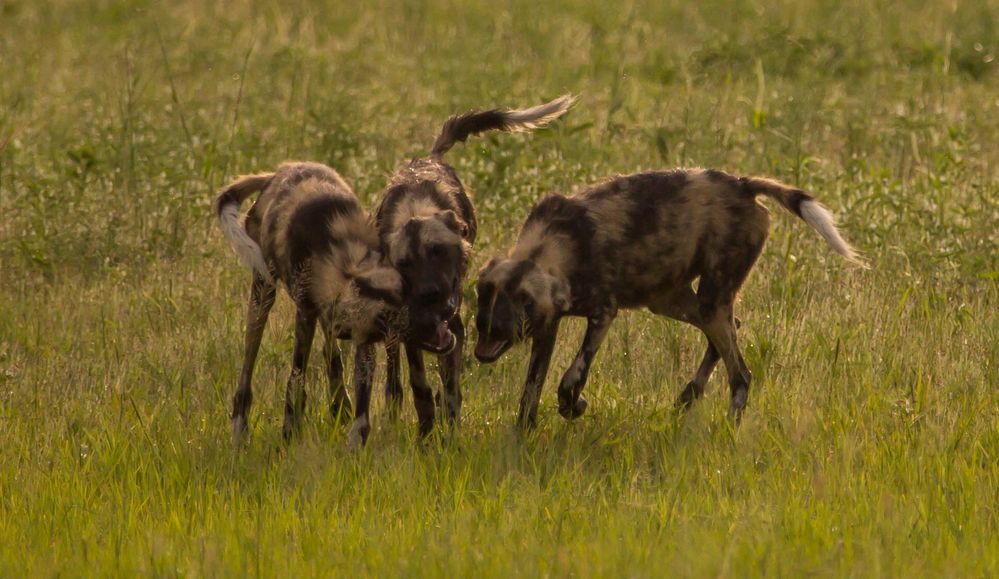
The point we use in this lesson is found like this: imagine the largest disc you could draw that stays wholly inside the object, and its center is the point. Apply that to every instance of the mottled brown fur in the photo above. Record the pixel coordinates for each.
(634, 241)
(427, 226)
(308, 230)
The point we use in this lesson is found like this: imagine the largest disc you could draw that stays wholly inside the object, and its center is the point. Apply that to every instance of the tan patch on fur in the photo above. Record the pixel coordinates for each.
(413, 208)
(611, 216)
(546, 292)
(432, 232)
(551, 253)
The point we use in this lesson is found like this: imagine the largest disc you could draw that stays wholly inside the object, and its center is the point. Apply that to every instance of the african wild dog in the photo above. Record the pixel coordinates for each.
(635, 241)
(427, 225)
(308, 230)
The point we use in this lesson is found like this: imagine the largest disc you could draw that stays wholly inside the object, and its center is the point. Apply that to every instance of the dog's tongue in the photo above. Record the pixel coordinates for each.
(443, 335)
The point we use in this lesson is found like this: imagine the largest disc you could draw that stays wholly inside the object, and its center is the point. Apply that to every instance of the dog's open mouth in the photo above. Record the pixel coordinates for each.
(487, 350)
(443, 341)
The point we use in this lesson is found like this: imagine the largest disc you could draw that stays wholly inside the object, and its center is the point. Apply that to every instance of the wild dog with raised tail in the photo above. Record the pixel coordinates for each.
(635, 241)
(308, 231)
(427, 226)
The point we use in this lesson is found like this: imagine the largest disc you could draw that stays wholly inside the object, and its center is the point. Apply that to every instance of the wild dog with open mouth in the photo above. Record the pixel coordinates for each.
(308, 230)
(427, 225)
(635, 241)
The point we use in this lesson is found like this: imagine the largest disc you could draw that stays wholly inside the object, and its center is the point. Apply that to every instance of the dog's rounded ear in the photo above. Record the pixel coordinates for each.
(454, 223)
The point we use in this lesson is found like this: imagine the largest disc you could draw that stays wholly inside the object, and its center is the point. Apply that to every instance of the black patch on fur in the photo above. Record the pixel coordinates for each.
(226, 198)
(517, 275)
(795, 200)
(648, 192)
(308, 227)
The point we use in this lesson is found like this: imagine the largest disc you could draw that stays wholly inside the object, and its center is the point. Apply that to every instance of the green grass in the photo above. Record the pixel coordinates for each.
(871, 443)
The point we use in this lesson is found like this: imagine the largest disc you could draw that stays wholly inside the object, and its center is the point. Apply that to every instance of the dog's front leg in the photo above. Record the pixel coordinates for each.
(570, 403)
(294, 398)
(541, 356)
(423, 396)
(364, 371)
(450, 370)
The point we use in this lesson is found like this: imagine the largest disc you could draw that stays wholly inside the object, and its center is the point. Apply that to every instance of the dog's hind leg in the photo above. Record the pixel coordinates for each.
(262, 295)
(570, 402)
(339, 401)
(423, 396)
(294, 401)
(393, 381)
(716, 296)
(450, 370)
(682, 305)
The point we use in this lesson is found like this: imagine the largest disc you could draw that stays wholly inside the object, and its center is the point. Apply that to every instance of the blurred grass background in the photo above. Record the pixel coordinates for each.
(871, 446)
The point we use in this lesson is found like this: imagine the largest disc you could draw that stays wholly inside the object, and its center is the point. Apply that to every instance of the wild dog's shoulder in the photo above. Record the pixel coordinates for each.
(562, 223)
(422, 188)
(557, 209)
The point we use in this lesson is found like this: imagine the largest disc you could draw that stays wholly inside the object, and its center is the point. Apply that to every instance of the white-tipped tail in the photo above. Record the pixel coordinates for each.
(458, 128)
(538, 116)
(823, 221)
(247, 250)
(226, 206)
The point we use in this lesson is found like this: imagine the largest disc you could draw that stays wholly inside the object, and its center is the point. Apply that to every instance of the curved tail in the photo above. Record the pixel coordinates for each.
(226, 207)
(460, 127)
(806, 207)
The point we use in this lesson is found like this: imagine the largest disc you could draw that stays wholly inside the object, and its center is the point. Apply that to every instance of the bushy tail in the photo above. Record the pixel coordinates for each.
(460, 127)
(226, 207)
(806, 207)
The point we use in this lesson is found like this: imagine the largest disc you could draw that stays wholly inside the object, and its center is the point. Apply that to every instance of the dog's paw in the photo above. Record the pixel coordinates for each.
(573, 410)
(739, 399)
(690, 394)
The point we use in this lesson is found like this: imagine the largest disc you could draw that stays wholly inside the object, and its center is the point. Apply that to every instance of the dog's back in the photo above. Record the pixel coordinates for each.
(663, 229)
(635, 236)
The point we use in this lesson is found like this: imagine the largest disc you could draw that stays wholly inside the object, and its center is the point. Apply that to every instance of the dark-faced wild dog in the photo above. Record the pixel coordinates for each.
(635, 241)
(308, 230)
(427, 225)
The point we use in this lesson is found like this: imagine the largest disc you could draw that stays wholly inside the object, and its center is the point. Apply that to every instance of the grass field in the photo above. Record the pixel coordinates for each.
(871, 443)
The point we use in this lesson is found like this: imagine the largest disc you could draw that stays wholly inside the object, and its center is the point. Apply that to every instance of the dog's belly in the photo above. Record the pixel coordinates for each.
(650, 266)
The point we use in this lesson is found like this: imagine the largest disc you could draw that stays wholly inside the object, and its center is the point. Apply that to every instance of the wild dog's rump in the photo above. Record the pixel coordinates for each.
(806, 207)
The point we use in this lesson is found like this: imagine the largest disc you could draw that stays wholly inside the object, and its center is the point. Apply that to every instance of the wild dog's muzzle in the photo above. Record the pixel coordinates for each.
(489, 350)
(434, 333)
(442, 341)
